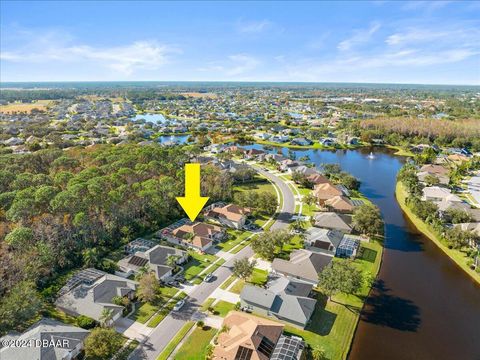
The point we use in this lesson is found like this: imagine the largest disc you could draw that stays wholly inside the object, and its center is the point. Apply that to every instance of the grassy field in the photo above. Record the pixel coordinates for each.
(457, 256)
(24, 107)
(175, 341)
(195, 347)
(333, 323)
(207, 304)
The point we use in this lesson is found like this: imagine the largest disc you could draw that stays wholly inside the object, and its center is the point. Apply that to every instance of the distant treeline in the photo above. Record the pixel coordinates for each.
(441, 132)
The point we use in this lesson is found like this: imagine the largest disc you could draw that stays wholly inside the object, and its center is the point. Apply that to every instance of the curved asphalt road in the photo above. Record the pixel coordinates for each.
(169, 327)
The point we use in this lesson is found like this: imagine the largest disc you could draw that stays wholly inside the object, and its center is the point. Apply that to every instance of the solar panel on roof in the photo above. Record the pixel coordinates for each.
(243, 353)
(138, 261)
(266, 347)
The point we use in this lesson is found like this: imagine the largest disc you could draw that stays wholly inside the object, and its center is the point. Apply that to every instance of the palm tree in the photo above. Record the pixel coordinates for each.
(142, 271)
(106, 317)
(90, 257)
(172, 260)
(318, 353)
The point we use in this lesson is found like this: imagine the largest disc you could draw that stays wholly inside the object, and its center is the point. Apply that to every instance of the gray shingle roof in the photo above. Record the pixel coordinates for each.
(45, 329)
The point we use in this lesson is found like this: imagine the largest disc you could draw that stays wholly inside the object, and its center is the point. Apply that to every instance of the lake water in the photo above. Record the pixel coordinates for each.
(422, 306)
(153, 118)
(179, 139)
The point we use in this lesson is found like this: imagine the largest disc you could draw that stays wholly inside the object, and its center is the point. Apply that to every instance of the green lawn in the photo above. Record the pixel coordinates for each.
(175, 341)
(333, 323)
(235, 238)
(197, 264)
(144, 312)
(227, 282)
(459, 257)
(260, 185)
(162, 314)
(259, 278)
(222, 308)
(195, 347)
(207, 304)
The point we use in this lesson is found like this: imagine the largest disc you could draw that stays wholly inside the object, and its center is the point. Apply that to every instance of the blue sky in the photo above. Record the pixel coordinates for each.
(388, 42)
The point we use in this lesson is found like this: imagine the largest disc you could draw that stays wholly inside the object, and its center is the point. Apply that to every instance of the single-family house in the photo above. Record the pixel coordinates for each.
(326, 191)
(199, 236)
(317, 179)
(301, 141)
(304, 265)
(90, 291)
(249, 337)
(284, 299)
(341, 204)
(230, 215)
(157, 259)
(334, 221)
(63, 342)
(288, 165)
(253, 153)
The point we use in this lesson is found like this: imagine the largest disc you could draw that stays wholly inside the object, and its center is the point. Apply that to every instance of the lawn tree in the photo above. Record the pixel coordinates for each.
(458, 238)
(19, 305)
(310, 199)
(407, 175)
(243, 268)
(367, 219)
(148, 287)
(457, 216)
(431, 180)
(263, 246)
(340, 276)
(102, 343)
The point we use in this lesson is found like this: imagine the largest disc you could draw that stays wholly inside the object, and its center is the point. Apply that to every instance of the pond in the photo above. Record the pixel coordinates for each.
(177, 139)
(422, 306)
(152, 118)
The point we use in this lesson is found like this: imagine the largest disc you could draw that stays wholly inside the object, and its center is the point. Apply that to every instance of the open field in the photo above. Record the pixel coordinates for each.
(27, 108)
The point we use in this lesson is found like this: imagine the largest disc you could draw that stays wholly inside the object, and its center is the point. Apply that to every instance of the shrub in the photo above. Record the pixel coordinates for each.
(86, 322)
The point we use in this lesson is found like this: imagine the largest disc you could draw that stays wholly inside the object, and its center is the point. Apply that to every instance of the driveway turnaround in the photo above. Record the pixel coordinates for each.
(160, 336)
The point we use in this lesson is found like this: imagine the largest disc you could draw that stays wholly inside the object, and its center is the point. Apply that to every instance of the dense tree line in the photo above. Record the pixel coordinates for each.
(66, 209)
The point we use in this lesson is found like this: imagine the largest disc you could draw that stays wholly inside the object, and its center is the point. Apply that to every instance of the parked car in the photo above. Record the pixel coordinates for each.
(179, 305)
(208, 277)
(246, 309)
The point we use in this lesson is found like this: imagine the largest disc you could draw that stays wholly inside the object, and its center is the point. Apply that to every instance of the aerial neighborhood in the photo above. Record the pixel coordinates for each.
(276, 265)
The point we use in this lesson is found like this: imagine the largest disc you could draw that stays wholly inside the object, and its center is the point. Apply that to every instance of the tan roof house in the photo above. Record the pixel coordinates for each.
(230, 215)
(247, 337)
(326, 191)
(340, 204)
(318, 179)
(199, 236)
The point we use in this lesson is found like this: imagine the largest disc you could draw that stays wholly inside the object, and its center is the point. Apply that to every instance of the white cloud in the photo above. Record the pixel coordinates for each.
(125, 59)
(253, 27)
(241, 64)
(359, 37)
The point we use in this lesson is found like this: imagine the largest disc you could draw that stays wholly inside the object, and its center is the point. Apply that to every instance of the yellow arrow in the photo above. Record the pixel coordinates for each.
(192, 203)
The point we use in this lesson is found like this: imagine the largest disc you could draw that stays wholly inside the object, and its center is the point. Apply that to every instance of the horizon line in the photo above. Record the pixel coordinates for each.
(231, 81)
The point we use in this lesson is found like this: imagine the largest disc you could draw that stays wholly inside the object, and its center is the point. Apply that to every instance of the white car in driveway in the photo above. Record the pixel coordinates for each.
(179, 305)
